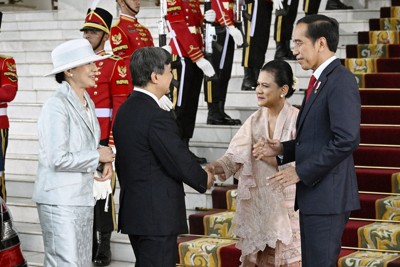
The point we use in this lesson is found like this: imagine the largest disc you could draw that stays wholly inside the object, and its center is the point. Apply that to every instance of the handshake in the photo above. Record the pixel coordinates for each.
(212, 170)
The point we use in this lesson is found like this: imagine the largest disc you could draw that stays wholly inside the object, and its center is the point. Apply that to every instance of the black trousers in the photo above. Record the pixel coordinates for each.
(215, 90)
(284, 23)
(155, 251)
(311, 6)
(321, 237)
(254, 53)
(4, 144)
(105, 221)
(187, 111)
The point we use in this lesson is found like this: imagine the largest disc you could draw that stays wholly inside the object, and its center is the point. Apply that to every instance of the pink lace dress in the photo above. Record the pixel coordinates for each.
(265, 220)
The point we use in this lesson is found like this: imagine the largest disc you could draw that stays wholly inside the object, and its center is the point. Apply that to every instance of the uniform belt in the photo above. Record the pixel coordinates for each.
(194, 30)
(103, 112)
(3, 111)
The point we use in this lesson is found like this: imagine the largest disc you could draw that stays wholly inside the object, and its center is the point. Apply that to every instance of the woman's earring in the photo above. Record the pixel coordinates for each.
(282, 95)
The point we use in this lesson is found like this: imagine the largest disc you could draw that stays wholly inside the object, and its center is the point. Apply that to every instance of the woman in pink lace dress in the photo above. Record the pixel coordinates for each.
(265, 220)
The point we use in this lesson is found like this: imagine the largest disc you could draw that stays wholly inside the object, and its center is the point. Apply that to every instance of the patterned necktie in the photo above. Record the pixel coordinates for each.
(310, 86)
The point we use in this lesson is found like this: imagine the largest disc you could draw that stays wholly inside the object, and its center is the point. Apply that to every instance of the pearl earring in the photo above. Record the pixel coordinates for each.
(71, 75)
(282, 95)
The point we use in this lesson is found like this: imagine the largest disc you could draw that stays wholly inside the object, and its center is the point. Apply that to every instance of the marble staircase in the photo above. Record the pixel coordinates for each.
(29, 36)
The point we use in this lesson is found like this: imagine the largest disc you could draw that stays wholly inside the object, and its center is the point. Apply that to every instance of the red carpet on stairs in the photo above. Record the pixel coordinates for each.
(375, 62)
(380, 96)
(377, 159)
(380, 115)
(375, 179)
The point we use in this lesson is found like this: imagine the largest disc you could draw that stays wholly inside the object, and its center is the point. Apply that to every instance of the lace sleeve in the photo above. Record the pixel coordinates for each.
(230, 167)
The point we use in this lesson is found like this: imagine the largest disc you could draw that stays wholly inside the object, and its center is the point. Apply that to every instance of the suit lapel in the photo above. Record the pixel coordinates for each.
(77, 105)
(317, 89)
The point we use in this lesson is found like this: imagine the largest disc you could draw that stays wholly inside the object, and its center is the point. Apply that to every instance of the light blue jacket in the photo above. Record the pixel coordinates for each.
(68, 157)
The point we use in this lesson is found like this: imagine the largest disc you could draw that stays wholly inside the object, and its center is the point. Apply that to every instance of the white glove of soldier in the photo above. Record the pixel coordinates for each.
(165, 103)
(236, 35)
(101, 189)
(206, 67)
(277, 4)
(210, 15)
(167, 48)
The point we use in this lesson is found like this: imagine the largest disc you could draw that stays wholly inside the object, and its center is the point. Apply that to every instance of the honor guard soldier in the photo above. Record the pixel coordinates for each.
(127, 34)
(113, 88)
(222, 59)
(8, 90)
(184, 22)
(257, 23)
(285, 16)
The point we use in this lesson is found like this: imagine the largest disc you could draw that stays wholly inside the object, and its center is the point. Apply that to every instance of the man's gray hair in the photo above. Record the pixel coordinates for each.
(147, 60)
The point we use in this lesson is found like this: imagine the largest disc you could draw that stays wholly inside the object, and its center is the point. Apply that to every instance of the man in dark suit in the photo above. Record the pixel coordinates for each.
(328, 132)
(152, 164)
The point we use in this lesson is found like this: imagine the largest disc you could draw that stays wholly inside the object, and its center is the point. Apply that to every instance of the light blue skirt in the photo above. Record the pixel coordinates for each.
(67, 235)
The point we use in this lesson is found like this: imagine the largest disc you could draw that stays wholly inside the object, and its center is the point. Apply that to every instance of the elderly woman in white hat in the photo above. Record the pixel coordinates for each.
(69, 155)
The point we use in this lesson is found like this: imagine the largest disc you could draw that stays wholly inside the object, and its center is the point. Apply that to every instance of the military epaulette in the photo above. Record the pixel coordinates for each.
(116, 23)
(4, 56)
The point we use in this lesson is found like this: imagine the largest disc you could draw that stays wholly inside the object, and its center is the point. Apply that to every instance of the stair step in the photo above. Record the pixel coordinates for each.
(372, 134)
(381, 97)
(377, 156)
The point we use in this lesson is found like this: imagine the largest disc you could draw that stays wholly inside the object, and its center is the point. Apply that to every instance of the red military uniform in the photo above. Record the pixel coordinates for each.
(8, 87)
(8, 90)
(226, 17)
(112, 89)
(127, 35)
(186, 20)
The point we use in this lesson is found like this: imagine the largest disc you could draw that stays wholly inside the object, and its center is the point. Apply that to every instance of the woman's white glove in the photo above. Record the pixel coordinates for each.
(236, 35)
(165, 103)
(206, 67)
(277, 4)
(210, 15)
(101, 189)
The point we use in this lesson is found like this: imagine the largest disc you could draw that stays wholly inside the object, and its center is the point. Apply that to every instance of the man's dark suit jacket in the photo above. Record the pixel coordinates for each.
(328, 131)
(152, 163)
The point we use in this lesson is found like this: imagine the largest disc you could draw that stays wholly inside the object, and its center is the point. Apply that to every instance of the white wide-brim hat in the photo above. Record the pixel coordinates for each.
(72, 54)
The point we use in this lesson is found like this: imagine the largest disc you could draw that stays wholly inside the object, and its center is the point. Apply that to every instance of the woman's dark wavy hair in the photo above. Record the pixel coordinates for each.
(322, 26)
(283, 74)
(147, 60)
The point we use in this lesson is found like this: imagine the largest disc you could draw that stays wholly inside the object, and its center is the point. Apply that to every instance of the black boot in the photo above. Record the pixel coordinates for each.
(256, 72)
(289, 54)
(281, 50)
(249, 81)
(336, 4)
(221, 107)
(216, 117)
(103, 254)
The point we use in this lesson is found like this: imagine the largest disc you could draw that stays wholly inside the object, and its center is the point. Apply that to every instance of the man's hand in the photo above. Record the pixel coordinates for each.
(277, 4)
(165, 103)
(210, 15)
(269, 148)
(283, 179)
(236, 35)
(210, 175)
(206, 67)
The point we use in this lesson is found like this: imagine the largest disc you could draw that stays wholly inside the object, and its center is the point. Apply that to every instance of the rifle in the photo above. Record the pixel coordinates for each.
(162, 33)
(209, 34)
(239, 21)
